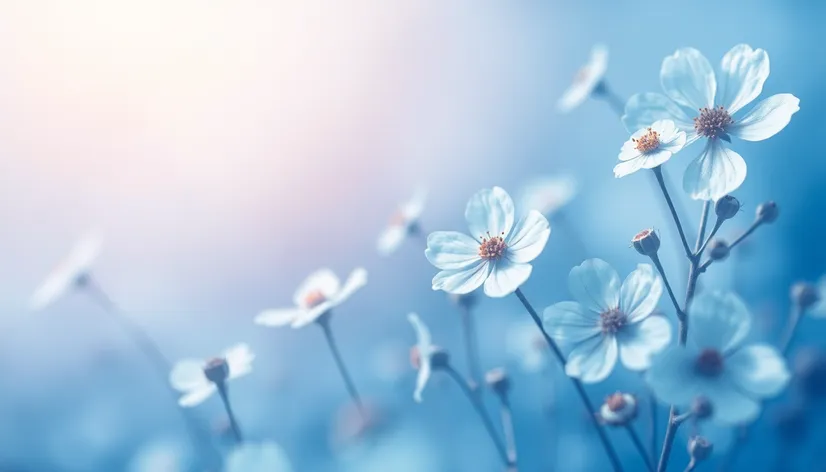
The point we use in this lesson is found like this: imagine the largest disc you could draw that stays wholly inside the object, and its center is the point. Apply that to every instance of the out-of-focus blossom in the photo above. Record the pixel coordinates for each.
(318, 294)
(197, 380)
(649, 147)
(716, 364)
(424, 354)
(547, 195)
(691, 90)
(618, 409)
(587, 79)
(258, 457)
(817, 299)
(498, 255)
(71, 272)
(403, 223)
(610, 320)
(526, 345)
(160, 456)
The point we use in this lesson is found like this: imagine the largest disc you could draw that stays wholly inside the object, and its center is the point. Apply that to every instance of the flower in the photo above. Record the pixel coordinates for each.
(403, 223)
(499, 256)
(716, 364)
(266, 456)
(690, 87)
(609, 321)
(197, 379)
(318, 294)
(586, 80)
(649, 147)
(548, 194)
(618, 409)
(72, 272)
(424, 352)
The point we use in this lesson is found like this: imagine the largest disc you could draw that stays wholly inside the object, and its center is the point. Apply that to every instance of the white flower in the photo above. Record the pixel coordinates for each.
(690, 87)
(258, 457)
(649, 147)
(424, 353)
(403, 223)
(548, 194)
(610, 320)
(499, 255)
(69, 273)
(618, 409)
(319, 293)
(193, 377)
(717, 365)
(586, 80)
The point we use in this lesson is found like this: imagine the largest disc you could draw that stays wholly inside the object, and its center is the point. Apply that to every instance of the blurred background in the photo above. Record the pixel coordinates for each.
(228, 149)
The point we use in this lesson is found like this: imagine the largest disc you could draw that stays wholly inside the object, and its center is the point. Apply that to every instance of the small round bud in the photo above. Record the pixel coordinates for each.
(767, 212)
(646, 242)
(727, 207)
(498, 381)
(618, 409)
(702, 408)
(467, 300)
(804, 295)
(718, 249)
(217, 370)
(810, 371)
(699, 448)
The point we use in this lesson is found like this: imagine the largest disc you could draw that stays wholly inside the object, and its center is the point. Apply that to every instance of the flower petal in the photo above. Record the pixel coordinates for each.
(719, 320)
(643, 161)
(462, 281)
(239, 360)
(593, 360)
(671, 138)
(688, 78)
(448, 250)
(640, 293)
(628, 167)
(278, 317)
(490, 211)
(716, 172)
(187, 375)
(425, 347)
(197, 396)
(310, 315)
(638, 342)
(586, 80)
(324, 281)
(528, 238)
(355, 281)
(595, 284)
(391, 239)
(742, 75)
(569, 324)
(767, 118)
(505, 277)
(731, 406)
(758, 370)
(643, 109)
(672, 376)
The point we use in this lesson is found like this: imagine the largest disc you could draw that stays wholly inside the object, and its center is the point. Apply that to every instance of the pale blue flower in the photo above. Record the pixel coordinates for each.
(258, 457)
(587, 79)
(716, 363)
(188, 376)
(424, 353)
(692, 100)
(403, 223)
(497, 255)
(70, 273)
(649, 147)
(610, 321)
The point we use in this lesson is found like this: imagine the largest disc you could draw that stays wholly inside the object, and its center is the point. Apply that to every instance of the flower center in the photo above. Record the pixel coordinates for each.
(712, 122)
(314, 298)
(612, 320)
(648, 142)
(492, 247)
(216, 370)
(709, 363)
(616, 402)
(582, 74)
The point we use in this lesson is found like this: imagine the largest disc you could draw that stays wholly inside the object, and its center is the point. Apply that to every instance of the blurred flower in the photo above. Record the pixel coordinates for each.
(690, 88)
(159, 456)
(197, 380)
(618, 409)
(610, 320)
(499, 257)
(649, 147)
(424, 350)
(258, 457)
(811, 298)
(547, 194)
(586, 80)
(318, 294)
(69, 273)
(526, 345)
(403, 223)
(715, 364)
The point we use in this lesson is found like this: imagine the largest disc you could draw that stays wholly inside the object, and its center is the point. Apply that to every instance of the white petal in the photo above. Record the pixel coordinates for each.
(642, 161)
(62, 278)
(414, 208)
(586, 80)
(638, 342)
(593, 360)
(672, 138)
(758, 370)
(425, 347)
(688, 78)
(547, 194)
(322, 281)
(391, 239)
(448, 250)
(569, 324)
(742, 75)
(278, 317)
(239, 360)
(462, 281)
(505, 277)
(767, 118)
(528, 238)
(355, 281)
(490, 211)
(731, 406)
(628, 167)
(310, 315)
(716, 172)
(595, 284)
(719, 320)
(197, 396)
(672, 376)
(640, 293)
(55, 286)
(643, 109)
(187, 375)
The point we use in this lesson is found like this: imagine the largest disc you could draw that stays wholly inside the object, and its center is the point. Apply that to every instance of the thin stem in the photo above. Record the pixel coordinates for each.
(691, 465)
(652, 402)
(507, 426)
(717, 224)
(480, 410)
(680, 314)
(236, 430)
(471, 347)
(324, 322)
(604, 92)
(603, 437)
(795, 313)
(756, 224)
(635, 438)
(658, 172)
(702, 230)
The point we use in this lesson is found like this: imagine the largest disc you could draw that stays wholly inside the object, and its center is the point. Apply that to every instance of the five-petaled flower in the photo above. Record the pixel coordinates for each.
(318, 294)
(611, 320)
(198, 379)
(649, 147)
(692, 100)
(73, 271)
(547, 195)
(587, 79)
(498, 255)
(715, 362)
(403, 223)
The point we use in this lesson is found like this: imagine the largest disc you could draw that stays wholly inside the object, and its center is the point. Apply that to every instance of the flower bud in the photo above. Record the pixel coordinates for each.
(702, 408)
(618, 409)
(804, 295)
(498, 381)
(217, 370)
(727, 207)
(767, 212)
(718, 249)
(646, 242)
(699, 448)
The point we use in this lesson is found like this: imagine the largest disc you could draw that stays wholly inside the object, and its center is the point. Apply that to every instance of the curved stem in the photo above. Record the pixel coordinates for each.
(756, 224)
(691, 465)
(603, 437)
(635, 438)
(659, 174)
(471, 347)
(680, 314)
(717, 224)
(507, 427)
(236, 430)
(324, 322)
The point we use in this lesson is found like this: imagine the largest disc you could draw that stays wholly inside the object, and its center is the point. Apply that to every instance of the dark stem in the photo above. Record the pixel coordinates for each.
(680, 314)
(603, 437)
(604, 92)
(635, 438)
(236, 430)
(324, 322)
(471, 347)
(659, 174)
